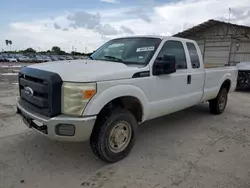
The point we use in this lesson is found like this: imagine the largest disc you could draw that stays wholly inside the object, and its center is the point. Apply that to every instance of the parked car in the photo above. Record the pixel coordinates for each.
(54, 58)
(61, 58)
(152, 77)
(83, 57)
(46, 58)
(243, 81)
(38, 59)
(2, 59)
(10, 58)
(69, 58)
(76, 57)
(24, 59)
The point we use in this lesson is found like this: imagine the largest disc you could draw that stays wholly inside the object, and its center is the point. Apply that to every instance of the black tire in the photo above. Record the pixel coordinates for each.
(104, 129)
(218, 105)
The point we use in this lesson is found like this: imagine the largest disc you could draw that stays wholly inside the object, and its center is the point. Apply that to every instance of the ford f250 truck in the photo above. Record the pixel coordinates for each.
(122, 84)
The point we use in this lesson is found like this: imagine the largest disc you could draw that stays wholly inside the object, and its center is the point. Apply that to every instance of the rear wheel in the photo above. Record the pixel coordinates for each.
(114, 135)
(218, 105)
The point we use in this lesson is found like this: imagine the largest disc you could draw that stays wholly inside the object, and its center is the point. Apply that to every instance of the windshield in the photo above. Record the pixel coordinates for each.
(128, 50)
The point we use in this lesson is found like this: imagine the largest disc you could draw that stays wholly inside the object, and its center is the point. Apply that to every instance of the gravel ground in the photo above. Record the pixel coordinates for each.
(188, 149)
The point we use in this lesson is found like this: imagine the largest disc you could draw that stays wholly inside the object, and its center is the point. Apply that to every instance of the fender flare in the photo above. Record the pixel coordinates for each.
(227, 76)
(101, 99)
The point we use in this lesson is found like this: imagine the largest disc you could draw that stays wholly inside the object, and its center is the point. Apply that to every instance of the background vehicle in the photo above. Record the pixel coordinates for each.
(2, 59)
(11, 58)
(46, 58)
(243, 81)
(61, 58)
(54, 58)
(68, 58)
(24, 59)
(125, 82)
(38, 59)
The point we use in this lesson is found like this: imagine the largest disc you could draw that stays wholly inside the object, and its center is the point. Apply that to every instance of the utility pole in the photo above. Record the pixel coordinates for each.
(229, 14)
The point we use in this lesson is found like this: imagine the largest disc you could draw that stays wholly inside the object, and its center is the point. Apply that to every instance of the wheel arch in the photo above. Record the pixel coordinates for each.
(226, 84)
(120, 95)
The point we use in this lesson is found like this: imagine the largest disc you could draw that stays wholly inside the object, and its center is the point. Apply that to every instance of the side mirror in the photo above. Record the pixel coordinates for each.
(165, 65)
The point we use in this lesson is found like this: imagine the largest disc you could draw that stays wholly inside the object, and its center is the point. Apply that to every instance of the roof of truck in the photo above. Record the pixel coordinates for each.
(157, 37)
(146, 36)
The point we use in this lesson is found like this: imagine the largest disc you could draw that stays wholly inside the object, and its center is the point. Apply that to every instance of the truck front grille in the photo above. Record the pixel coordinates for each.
(40, 91)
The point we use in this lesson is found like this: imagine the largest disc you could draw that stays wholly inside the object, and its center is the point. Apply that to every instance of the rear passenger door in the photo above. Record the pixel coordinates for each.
(196, 73)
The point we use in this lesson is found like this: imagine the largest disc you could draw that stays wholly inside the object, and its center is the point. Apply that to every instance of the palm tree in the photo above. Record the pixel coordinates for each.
(7, 42)
(10, 43)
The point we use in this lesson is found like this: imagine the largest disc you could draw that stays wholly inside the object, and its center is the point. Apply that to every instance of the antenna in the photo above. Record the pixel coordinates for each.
(229, 14)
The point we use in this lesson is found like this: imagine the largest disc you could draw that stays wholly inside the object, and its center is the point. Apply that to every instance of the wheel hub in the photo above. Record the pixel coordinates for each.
(222, 101)
(120, 137)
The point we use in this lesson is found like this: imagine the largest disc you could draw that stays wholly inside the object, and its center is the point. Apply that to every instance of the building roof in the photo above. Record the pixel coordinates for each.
(206, 25)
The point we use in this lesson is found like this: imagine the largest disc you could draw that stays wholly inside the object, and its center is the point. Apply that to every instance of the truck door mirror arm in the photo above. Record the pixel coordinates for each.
(165, 65)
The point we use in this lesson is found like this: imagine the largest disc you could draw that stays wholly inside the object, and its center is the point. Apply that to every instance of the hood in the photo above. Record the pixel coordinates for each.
(88, 70)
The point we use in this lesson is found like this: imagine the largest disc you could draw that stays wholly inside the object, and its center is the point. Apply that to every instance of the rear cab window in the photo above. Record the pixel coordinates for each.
(193, 54)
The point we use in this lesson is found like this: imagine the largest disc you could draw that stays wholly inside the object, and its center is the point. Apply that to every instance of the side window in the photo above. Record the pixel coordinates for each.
(195, 61)
(174, 48)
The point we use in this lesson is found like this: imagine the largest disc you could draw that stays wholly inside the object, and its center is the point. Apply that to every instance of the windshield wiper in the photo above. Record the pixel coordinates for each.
(114, 58)
(90, 57)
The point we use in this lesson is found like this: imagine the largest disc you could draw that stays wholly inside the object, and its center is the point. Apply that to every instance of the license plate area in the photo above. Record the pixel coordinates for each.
(27, 121)
(33, 123)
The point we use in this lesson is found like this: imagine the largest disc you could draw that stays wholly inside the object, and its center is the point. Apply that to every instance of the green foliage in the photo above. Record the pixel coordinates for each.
(29, 50)
(56, 49)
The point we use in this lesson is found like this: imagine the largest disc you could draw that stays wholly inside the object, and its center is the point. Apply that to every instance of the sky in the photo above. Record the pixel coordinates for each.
(84, 25)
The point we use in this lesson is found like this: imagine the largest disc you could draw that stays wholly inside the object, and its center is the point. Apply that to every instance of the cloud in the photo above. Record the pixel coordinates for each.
(57, 26)
(127, 30)
(109, 1)
(95, 27)
(193, 12)
(237, 14)
(84, 20)
(106, 29)
(140, 13)
(92, 22)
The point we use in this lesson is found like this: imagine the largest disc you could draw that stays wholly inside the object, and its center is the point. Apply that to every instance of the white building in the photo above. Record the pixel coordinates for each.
(220, 42)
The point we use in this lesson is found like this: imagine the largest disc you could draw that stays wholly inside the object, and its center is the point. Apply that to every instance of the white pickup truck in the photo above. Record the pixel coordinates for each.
(124, 83)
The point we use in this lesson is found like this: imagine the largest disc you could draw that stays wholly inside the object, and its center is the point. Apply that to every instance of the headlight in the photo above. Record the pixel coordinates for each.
(75, 97)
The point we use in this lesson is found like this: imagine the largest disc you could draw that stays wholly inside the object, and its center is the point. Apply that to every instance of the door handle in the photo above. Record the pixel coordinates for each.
(189, 80)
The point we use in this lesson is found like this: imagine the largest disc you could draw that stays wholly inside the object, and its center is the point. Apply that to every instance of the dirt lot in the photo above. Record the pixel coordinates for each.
(191, 148)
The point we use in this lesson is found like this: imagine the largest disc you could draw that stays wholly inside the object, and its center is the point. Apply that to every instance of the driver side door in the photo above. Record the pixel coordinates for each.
(169, 92)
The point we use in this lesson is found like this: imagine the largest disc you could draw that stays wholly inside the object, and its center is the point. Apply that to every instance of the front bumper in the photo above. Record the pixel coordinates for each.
(49, 126)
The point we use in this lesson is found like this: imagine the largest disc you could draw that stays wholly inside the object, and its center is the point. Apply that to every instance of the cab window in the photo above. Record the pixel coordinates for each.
(195, 61)
(174, 48)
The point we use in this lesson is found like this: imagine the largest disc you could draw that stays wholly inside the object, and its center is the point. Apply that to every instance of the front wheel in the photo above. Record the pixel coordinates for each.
(218, 105)
(114, 135)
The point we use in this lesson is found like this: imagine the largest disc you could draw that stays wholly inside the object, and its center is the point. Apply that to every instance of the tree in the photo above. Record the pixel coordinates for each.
(62, 53)
(76, 53)
(7, 42)
(56, 49)
(29, 50)
(10, 43)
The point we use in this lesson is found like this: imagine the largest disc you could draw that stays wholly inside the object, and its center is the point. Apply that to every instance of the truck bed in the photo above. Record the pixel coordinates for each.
(214, 79)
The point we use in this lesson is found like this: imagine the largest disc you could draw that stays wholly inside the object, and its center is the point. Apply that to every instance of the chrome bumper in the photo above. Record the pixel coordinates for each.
(48, 126)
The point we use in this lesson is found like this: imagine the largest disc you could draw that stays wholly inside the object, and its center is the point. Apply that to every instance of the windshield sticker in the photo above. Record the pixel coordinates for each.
(145, 49)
